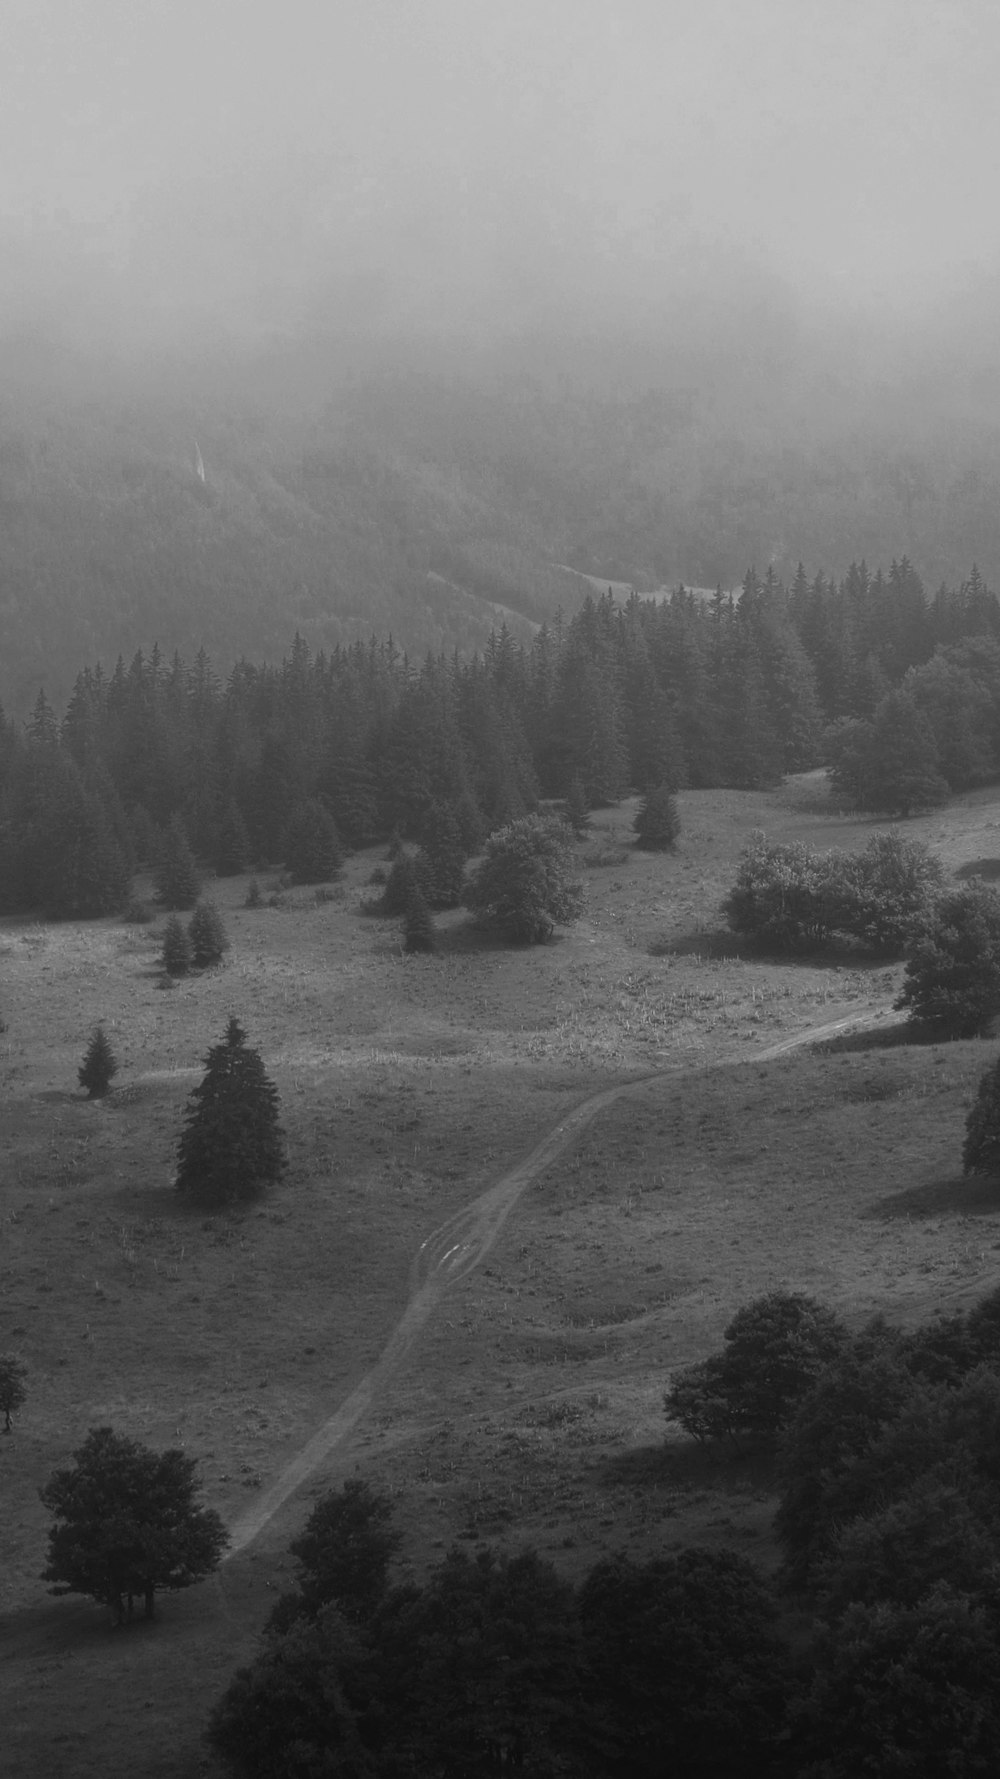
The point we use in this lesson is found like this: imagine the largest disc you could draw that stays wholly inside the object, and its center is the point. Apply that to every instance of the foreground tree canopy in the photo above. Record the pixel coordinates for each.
(522, 887)
(952, 980)
(127, 1523)
(232, 1144)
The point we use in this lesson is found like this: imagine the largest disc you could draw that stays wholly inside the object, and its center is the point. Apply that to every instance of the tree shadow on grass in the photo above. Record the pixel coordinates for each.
(683, 1464)
(878, 1037)
(959, 1195)
(721, 945)
(986, 868)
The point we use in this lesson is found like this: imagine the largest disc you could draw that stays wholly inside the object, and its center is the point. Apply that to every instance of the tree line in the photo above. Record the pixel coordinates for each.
(296, 761)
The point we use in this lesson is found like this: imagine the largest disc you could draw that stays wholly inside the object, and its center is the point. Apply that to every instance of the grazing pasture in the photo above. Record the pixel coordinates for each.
(526, 1407)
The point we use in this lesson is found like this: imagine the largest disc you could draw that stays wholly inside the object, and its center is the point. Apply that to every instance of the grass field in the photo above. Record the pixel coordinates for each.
(529, 1409)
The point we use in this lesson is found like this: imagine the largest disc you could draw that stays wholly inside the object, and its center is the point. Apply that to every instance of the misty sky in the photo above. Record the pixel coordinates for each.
(281, 161)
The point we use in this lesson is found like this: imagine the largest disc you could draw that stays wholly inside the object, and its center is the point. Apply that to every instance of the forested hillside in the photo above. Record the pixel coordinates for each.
(230, 500)
(902, 694)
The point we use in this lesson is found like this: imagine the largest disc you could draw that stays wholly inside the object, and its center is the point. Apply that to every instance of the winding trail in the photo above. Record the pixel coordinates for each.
(460, 1245)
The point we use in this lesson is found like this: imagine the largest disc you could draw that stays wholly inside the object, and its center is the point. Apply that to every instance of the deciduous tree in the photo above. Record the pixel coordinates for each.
(522, 886)
(127, 1523)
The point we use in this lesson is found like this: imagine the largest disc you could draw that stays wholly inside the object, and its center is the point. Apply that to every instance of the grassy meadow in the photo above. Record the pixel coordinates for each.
(529, 1410)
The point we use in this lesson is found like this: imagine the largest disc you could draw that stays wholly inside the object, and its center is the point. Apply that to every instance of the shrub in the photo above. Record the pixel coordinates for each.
(521, 887)
(786, 896)
(952, 979)
(790, 897)
(775, 1348)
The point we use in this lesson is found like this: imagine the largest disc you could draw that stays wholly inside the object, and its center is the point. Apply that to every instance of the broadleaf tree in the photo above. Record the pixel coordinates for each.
(522, 886)
(127, 1523)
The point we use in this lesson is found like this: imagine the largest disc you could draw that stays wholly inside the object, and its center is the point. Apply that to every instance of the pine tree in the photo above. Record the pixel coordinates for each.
(13, 1391)
(176, 954)
(981, 1149)
(98, 1066)
(207, 935)
(418, 925)
(232, 1144)
(658, 823)
(312, 845)
(176, 874)
(232, 852)
(577, 809)
(441, 859)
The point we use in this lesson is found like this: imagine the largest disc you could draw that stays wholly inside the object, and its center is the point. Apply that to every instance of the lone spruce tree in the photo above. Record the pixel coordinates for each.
(98, 1065)
(176, 874)
(981, 1149)
(232, 1144)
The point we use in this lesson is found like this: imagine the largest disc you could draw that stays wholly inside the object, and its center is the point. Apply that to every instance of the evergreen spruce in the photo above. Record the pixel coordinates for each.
(441, 859)
(232, 852)
(98, 1066)
(13, 1391)
(577, 808)
(207, 935)
(313, 852)
(403, 881)
(232, 1144)
(418, 925)
(176, 954)
(981, 1149)
(176, 874)
(658, 823)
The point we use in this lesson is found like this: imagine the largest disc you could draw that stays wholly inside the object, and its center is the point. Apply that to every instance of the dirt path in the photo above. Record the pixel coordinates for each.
(459, 1246)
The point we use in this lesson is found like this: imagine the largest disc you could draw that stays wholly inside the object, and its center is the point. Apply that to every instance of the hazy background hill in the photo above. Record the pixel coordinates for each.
(400, 486)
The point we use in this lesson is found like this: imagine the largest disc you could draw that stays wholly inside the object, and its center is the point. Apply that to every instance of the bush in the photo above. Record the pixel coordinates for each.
(786, 896)
(207, 935)
(790, 897)
(522, 887)
(952, 980)
(775, 1348)
(342, 1556)
(98, 1066)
